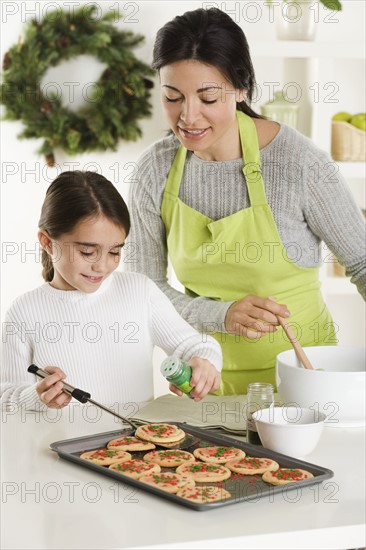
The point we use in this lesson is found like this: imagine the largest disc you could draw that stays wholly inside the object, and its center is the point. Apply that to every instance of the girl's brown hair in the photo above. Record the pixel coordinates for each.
(74, 196)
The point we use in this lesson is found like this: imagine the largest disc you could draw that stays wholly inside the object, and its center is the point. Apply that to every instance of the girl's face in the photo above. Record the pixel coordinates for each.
(200, 105)
(85, 257)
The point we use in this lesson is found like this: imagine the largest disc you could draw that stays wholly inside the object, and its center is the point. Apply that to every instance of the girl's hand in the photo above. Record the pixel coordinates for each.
(50, 389)
(205, 379)
(250, 315)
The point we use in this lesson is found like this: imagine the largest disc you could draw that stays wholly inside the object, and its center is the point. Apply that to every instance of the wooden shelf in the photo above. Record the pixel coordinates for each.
(319, 62)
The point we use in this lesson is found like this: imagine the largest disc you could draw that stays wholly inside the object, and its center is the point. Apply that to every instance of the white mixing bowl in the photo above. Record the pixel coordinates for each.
(289, 430)
(338, 389)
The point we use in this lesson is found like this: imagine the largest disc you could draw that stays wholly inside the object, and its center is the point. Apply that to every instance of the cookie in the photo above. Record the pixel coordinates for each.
(160, 433)
(204, 493)
(218, 455)
(251, 465)
(130, 443)
(135, 468)
(169, 458)
(282, 476)
(204, 471)
(172, 444)
(168, 481)
(105, 457)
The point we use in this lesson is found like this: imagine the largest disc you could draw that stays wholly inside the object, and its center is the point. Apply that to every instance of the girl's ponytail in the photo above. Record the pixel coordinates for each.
(47, 271)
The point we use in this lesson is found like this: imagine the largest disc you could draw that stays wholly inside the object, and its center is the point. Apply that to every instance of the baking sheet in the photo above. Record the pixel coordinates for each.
(242, 487)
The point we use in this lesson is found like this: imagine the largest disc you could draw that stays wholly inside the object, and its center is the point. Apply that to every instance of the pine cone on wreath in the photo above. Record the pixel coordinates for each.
(64, 42)
(6, 61)
(45, 107)
(50, 159)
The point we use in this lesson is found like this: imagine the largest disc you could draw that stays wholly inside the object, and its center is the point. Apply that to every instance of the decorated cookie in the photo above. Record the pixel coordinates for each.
(204, 493)
(205, 471)
(105, 457)
(135, 468)
(169, 458)
(252, 465)
(282, 476)
(160, 433)
(218, 455)
(130, 443)
(168, 481)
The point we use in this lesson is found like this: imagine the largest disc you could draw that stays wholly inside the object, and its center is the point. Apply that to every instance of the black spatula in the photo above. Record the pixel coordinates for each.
(85, 397)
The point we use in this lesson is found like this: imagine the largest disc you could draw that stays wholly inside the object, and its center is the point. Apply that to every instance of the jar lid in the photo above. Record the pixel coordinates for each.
(280, 100)
(260, 389)
(169, 366)
(260, 386)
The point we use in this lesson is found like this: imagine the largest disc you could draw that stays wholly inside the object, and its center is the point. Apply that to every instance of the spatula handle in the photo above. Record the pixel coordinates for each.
(80, 395)
(76, 393)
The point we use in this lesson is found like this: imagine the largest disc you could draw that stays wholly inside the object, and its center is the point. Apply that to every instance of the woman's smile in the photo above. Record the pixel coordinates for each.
(195, 134)
(200, 105)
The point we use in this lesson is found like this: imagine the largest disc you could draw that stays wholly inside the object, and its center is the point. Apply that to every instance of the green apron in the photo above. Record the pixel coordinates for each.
(238, 255)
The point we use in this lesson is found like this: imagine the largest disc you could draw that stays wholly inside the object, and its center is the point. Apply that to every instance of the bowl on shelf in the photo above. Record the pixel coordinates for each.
(289, 430)
(338, 389)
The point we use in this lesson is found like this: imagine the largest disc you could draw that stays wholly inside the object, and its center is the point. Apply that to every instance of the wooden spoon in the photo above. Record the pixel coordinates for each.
(300, 353)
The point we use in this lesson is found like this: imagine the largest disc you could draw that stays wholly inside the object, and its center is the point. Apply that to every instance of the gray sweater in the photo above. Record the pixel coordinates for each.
(309, 198)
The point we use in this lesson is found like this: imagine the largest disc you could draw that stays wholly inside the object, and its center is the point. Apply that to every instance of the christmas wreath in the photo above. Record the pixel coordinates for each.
(119, 98)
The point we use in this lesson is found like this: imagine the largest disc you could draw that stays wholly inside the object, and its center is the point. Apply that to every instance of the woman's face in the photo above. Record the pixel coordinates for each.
(200, 105)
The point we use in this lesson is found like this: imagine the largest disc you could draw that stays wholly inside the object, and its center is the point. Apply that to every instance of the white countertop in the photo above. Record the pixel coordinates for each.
(50, 503)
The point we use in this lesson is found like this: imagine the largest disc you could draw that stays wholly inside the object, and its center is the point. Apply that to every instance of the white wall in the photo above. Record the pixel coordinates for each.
(24, 175)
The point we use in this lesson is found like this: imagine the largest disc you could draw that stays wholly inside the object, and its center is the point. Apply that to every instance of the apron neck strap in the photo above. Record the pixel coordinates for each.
(251, 159)
(176, 171)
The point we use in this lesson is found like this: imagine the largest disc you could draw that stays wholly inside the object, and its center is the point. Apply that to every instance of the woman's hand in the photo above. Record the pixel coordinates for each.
(205, 378)
(254, 316)
(50, 389)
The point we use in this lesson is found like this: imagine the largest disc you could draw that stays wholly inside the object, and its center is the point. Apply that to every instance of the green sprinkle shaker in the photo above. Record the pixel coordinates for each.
(178, 373)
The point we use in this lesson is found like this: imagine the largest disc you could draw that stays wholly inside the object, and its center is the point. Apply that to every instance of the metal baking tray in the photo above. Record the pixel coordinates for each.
(242, 487)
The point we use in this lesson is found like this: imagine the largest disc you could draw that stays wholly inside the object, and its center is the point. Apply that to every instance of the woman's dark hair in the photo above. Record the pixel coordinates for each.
(212, 37)
(74, 196)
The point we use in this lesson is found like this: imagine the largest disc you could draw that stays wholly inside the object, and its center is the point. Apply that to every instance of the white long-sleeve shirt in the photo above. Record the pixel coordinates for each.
(103, 341)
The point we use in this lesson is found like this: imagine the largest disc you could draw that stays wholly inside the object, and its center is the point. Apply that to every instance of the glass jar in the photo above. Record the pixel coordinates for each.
(296, 20)
(178, 373)
(281, 109)
(260, 396)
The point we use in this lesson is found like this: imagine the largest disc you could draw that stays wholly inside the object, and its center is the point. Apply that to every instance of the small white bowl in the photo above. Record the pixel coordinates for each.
(338, 389)
(289, 430)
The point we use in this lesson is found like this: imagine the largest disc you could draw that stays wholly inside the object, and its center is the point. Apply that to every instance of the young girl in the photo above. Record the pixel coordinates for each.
(96, 326)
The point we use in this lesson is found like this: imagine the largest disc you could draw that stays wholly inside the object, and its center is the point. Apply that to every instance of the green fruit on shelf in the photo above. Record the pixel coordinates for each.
(343, 117)
(359, 121)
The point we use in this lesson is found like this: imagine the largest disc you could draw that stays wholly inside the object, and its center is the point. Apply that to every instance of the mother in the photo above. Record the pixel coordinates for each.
(235, 202)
